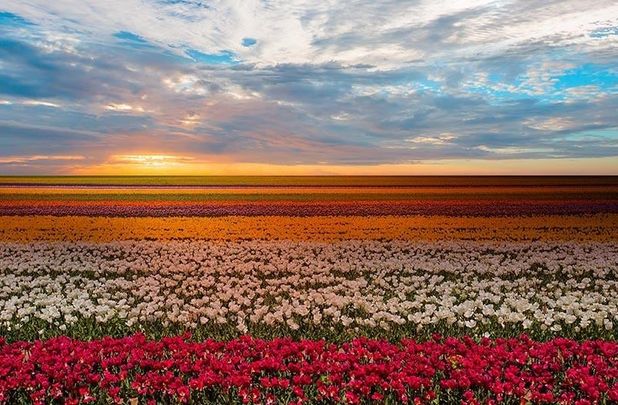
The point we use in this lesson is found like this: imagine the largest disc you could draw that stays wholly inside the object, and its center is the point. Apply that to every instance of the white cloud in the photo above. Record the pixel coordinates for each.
(386, 34)
(343, 116)
(433, 140)
(37, 158)
(513, 150)
(123, 107)
(36, 103)
(551, 124)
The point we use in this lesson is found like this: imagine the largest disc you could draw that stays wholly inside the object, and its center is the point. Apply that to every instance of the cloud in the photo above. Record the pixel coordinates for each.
(300, 31)
(433, 140)
(304, 82)
(37, 158)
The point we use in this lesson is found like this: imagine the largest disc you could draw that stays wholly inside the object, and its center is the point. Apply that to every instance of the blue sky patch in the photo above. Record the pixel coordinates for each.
(247, 42)
(586, 75)
(610, 134)
(12, 20)
(129, 36)
(604, 32)
(221, 58)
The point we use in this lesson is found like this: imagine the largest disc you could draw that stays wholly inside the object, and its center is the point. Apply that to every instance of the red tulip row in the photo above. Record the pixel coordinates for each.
(248, 370)
(294, 208)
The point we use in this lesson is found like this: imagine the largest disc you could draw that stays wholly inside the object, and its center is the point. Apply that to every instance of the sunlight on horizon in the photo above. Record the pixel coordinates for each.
(160, 164)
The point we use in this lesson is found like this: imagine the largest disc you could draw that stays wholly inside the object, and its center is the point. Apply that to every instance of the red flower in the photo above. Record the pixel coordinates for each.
(361, 370)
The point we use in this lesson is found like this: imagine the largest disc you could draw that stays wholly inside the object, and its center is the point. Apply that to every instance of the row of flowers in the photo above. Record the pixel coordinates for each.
(249, 370)
(308, 208)
(599, 227)
(410, 191)
(460, 258)
(483, 288)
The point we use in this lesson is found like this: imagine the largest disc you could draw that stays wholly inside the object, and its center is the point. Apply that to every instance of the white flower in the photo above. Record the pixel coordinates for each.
(346, 283)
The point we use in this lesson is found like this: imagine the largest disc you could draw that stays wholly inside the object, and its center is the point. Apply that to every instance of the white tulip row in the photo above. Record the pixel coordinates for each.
(375, 284)
(275, 258)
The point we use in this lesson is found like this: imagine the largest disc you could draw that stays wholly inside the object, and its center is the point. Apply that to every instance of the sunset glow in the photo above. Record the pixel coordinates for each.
(182, 165)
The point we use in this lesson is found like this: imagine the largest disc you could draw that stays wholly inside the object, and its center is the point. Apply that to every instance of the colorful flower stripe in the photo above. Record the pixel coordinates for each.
(249, 370)
(507, 191)
(489, 208)
(304, 288)
(312, 181)
(598, 227)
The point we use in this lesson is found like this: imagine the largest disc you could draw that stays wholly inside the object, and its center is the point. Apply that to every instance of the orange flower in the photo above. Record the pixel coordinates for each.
(601, 227)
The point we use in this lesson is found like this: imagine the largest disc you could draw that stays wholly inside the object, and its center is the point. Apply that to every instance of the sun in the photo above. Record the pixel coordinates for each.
(152, 161)
(147, 164)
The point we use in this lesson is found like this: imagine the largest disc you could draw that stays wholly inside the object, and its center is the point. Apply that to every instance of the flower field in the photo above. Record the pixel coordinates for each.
(387, 290)
(247, 370)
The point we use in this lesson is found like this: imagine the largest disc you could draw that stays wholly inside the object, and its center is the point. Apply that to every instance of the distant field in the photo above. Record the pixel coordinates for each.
(307, 196)
(410, 181)
(268, 194)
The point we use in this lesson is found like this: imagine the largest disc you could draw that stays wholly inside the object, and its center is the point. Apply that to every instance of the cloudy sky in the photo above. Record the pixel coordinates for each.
(308, 87)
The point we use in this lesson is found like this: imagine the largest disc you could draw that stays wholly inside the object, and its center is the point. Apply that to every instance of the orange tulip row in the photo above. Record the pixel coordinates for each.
(598, 227)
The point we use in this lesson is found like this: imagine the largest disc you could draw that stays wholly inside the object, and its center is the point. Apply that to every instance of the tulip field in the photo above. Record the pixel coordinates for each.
(313, 290)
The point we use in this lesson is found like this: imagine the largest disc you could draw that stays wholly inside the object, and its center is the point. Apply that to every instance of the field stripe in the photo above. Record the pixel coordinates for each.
(599, 227)
(482, 208)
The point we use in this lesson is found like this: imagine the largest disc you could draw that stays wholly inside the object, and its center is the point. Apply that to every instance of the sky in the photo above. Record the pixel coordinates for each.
(308, 87)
